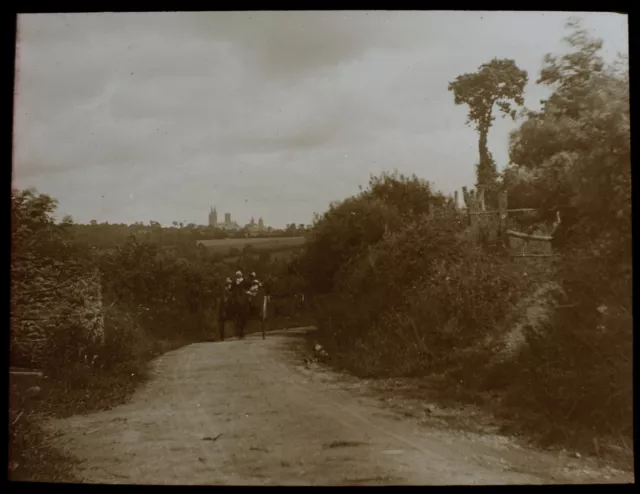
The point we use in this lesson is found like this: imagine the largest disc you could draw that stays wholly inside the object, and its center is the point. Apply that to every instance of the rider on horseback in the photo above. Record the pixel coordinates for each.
(235, 301)
(241, 302)
(253, 290)
(239, 288)
(255, 285)
(228, 284)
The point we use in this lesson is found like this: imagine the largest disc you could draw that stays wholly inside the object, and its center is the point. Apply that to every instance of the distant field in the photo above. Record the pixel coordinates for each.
(224, 246)
(273, 255)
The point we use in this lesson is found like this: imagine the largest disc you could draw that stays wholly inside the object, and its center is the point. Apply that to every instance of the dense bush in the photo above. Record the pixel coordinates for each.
(32, 457)
(402, 290)
(574, 382)
(174, 296)
(399, 294)
(113, 369)
(346, 229)
(148, 293)
(48, 281)
(574, 157)
(340, 236)
(415, 299)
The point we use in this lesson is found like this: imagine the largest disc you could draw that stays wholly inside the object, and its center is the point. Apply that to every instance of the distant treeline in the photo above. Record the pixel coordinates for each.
(106, 235)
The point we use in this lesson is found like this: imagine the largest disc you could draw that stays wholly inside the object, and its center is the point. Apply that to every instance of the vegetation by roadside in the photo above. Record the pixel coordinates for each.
(92, 319)
(31, 454)
(545, 344)
(396, 291)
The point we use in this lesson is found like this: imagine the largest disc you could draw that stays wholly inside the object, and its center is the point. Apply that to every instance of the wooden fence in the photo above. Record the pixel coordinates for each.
(499, 225)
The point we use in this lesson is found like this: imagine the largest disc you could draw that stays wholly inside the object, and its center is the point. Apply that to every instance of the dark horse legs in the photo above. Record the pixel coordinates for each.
(231, 313)
(241, 321)
(223, 314)
(239, 314)
(221, 321)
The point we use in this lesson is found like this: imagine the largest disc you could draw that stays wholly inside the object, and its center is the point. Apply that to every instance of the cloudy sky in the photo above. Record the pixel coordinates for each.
(136, 117)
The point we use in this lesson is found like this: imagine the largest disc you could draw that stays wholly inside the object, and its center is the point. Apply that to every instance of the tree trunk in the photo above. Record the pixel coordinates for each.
(486, 168)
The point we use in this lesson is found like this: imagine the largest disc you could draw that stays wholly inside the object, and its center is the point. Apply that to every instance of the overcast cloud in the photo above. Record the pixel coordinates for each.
(137, 117)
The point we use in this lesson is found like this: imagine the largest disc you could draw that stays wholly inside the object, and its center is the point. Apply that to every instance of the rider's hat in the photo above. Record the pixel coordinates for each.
(238, 273)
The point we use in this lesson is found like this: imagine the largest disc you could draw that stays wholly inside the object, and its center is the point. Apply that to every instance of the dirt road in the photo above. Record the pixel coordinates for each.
(249, 412)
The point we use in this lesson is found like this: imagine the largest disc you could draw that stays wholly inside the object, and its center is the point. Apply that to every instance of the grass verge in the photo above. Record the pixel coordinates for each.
(449, 390)
(32, 457)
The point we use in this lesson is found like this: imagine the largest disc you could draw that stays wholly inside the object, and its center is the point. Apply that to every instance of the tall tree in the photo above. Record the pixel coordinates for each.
(570, 74)
(499, 82)
(576, 150)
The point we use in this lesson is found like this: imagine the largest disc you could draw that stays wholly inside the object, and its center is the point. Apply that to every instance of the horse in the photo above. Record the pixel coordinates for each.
(240, 309)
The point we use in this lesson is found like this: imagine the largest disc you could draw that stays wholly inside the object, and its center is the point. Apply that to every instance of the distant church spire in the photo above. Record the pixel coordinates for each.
(213, 217)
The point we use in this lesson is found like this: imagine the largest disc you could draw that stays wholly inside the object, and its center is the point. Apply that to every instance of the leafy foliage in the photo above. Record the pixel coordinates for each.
(31, 454)
(412, 298)
(398, 287)
(147, 300)
(402, 294)
(342, 233)
(44, 265)
(573, 157)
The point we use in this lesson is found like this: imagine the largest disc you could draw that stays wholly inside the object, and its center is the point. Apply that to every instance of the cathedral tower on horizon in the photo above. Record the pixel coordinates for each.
(213, 217)
(228, 224)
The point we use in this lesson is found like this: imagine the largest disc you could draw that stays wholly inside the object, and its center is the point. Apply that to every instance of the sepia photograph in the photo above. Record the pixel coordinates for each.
(321, 248)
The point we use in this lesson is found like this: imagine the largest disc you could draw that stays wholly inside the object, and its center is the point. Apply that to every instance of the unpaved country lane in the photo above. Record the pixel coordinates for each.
(242, 412)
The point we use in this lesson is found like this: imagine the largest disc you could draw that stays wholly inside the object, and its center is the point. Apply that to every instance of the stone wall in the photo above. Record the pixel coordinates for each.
(49, 301)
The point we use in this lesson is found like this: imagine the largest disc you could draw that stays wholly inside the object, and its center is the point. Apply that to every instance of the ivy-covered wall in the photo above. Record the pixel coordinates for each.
(51, 303)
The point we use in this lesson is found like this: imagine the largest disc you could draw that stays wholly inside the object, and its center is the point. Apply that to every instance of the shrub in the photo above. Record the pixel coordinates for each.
(574, 380)
(415, 299)
(64, 292)
(341, 235)
(31, 454)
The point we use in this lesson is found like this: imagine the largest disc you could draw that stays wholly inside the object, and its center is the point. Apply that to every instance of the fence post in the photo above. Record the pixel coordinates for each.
(480, 188)
(503, 206)
(472, 207)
